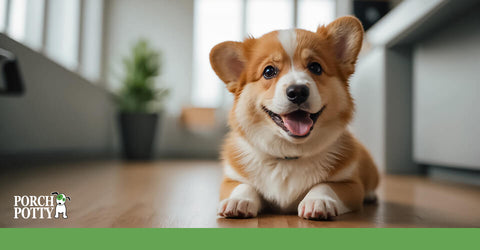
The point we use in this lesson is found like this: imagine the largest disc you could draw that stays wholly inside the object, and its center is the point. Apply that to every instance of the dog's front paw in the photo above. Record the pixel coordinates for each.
(319, 209)
(238, 208)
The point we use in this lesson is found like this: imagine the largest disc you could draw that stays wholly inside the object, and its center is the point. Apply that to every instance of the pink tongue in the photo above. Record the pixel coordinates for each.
(298, 122)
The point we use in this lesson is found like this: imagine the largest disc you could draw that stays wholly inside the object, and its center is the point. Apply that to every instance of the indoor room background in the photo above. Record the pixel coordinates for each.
(416, 85)
(70, 55)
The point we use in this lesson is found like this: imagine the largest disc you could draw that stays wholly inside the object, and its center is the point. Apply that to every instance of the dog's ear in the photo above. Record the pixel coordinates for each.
(228, 62)
(346, 35)
(68, 198)
(56, 193)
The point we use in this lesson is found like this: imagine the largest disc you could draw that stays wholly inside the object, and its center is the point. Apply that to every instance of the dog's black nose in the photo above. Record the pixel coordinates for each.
(297, 93)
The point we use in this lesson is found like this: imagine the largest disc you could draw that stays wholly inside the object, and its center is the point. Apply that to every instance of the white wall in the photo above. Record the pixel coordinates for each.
(60, 112)
(368, 88)
(447, 95)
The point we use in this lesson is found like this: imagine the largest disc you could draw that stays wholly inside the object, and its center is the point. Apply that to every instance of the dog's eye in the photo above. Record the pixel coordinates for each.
(269, 72)
(315, 68)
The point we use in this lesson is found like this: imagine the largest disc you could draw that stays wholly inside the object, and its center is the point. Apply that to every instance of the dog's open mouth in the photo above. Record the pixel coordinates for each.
(297, 123)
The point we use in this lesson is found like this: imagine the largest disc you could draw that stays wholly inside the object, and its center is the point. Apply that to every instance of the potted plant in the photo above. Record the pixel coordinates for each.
(139, 101)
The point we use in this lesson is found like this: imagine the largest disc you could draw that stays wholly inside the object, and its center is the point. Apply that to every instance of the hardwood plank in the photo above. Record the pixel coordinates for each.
(185, 194)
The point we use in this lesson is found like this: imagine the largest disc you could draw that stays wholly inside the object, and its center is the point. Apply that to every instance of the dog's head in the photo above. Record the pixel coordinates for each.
(61, 198)
(291, 86)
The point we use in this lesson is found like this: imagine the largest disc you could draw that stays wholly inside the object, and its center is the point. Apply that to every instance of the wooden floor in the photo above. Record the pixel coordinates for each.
(185, 194)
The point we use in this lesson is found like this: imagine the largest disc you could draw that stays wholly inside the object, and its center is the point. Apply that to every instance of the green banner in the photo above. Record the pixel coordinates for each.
(404, 239)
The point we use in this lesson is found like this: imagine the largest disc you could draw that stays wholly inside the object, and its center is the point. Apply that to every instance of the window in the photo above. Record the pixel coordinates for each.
(3, 15)
(315, 13)
(72, 30)
(216, 21)
(34, 23)
(90, 61)
(16, 19)
(63, 32)
(25, 20)
(264, 16)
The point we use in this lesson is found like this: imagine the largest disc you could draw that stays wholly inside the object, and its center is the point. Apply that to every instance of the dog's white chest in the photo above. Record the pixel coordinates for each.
(60, 208)
(283, 182)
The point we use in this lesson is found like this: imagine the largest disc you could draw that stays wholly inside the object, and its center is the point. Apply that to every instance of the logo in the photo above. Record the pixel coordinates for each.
(40, 207)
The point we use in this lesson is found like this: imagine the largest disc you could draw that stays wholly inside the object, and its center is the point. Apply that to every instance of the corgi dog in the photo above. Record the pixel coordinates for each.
(289, 149)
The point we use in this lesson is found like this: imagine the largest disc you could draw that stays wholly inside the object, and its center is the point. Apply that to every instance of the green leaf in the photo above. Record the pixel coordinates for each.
(139, 93)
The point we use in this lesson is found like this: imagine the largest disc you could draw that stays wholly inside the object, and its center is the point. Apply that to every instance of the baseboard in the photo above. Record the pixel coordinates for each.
(466, 176)
(47, 158)
(60, 157)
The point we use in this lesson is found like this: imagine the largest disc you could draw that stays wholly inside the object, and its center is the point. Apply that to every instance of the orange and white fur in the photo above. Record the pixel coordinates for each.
(289, 149)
